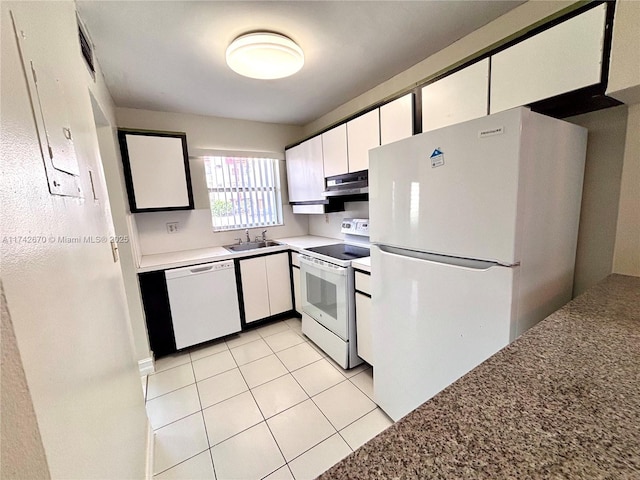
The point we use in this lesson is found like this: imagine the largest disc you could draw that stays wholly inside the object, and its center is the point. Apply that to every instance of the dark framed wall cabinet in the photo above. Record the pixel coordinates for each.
(156, 170)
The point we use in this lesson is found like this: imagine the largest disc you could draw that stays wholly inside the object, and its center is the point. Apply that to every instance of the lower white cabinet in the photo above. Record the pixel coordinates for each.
(363, 317)
(266, 286)
(295, 273)
(363, 327)
(279, 283)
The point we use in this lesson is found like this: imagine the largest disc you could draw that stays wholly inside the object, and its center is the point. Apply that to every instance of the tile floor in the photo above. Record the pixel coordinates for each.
(266, 403)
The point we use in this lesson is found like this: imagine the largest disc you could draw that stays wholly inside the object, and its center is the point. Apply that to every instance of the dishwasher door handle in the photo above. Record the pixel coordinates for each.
(201, 269)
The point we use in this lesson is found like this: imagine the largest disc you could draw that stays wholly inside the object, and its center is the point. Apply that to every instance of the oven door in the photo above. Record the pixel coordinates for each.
(324, 290)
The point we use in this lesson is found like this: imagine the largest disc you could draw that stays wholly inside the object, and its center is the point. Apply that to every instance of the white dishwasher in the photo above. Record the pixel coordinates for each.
(204, 302)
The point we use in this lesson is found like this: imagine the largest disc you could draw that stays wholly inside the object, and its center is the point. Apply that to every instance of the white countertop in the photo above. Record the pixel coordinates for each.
(362, 264)
(184, 258)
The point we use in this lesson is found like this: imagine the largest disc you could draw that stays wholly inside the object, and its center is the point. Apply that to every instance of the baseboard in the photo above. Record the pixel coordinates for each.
(150, 450)
(146, 366)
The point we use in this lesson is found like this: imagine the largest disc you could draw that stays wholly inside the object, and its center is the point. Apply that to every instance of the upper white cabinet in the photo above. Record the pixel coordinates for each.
(624, 70)
(156, 170)
(558, 60)
(363, 134)
(305, 171)
(334, 151)
(456, 98)
(396, 119)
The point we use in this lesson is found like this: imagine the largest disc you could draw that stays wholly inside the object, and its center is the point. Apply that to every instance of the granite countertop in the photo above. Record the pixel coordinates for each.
(562, 401)
(185, 258)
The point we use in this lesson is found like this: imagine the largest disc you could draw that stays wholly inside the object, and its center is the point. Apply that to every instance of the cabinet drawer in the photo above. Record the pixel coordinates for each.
(295, 260)
(363, 282)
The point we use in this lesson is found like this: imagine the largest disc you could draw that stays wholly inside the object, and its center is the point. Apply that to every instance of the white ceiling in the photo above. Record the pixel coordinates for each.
(169, 55)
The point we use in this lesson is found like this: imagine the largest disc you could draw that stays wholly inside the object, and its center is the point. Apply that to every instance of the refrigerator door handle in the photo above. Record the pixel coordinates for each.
(443, 259)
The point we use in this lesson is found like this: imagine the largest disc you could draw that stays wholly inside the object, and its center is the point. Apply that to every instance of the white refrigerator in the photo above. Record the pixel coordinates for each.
(473, 230)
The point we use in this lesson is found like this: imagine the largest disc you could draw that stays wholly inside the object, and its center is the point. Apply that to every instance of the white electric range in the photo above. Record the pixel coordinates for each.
(328, 295)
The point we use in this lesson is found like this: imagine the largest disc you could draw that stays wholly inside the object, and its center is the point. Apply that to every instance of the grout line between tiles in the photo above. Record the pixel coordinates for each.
(181, 462)
(203, 422)
(332, 426)
(157, 372)
(250, 389)
(167, 393)
(355, 385)
(339, 431)
(263, 417)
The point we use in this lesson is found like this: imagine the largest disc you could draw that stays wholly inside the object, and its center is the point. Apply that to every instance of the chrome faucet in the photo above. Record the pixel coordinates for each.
(247, 234)
(264, 235)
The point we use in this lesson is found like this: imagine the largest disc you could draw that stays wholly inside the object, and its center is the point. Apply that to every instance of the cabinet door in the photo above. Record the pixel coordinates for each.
(561, 59)
(254, 289)
(334, 151)
(296, 289)
(363, 134)
(363, 328)
(279, 281)
(396, 120)
(305, 171)
(456, 98)
(156, 171)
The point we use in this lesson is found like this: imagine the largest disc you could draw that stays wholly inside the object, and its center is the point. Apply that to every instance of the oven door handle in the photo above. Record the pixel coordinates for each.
(320, 266)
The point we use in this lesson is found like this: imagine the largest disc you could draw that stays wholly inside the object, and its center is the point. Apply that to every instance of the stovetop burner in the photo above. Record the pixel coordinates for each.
(341, 251)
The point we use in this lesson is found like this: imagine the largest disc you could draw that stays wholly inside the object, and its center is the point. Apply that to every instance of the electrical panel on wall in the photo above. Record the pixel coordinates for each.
(50, 115)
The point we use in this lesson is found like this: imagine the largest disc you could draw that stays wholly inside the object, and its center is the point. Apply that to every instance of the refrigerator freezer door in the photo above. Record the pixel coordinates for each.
(451, 191)
(432, 323)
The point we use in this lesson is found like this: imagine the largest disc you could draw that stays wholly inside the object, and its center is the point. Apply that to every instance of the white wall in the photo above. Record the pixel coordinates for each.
(600, 194)
(329, 225)
(626, 258)
(209, 134)
(23, 454)
(67, 301)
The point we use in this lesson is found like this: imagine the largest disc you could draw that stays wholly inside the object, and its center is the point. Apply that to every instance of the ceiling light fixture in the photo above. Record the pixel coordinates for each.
(264, 55)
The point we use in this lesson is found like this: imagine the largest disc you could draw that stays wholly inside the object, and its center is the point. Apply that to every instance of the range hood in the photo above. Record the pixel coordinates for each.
(354, 184)
(350, 187)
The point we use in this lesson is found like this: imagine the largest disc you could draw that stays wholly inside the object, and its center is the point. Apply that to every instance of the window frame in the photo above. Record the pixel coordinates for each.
(264, 171)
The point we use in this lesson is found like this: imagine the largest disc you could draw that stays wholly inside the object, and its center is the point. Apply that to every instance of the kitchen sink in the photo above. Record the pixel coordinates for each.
(241, 247)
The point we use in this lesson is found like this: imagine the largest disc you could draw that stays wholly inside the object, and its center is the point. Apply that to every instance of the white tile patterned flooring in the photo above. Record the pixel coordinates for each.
(265, 403)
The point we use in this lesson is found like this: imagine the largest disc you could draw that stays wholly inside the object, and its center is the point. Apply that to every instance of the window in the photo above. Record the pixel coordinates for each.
(244, 192)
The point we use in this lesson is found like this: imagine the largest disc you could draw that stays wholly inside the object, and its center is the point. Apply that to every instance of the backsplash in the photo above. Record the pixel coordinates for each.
(196, 231)
(328, 225)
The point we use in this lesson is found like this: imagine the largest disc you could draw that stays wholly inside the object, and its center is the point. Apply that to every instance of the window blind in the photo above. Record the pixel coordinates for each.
(244, 192)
